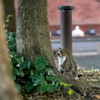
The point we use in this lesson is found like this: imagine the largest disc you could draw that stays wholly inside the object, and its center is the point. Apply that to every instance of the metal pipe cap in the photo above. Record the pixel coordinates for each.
(66, 7)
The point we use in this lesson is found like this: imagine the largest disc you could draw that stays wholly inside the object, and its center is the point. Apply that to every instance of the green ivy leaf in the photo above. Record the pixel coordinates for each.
(7, 20)
(19, 59)
(18, 72)
(14, 62)
(31, 64)
(44, 71)
(6, 25)
(54, 79)
(48, 70)
(58, 78)
(14, 53)
(41, 61)
(36, 72)
(69, 84)
(52, 88)
(65, 85)
(28, 87)
(40, 81)
(38, 66)
(42, 89)
(18, 87)
(50, 78)
(48, 86)
(9, 16)
(12, 47)
(23, 65)
(57, 83)
(70, 92)
(35, 77)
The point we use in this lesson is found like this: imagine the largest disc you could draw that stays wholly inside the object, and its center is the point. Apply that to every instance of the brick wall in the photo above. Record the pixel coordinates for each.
(15, 5)
(85, 14)
(85, 11)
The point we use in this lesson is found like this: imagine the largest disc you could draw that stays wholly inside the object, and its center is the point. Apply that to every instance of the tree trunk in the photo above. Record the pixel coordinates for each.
(7, 88)
(9, 10)
(33, 37)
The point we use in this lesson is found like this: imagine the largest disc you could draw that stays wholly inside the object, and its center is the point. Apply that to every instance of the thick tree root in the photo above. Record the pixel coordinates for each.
(80, 86)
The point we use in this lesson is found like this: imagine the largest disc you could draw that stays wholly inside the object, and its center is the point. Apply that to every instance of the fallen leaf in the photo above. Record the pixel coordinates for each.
(36, 93)
(96, 96)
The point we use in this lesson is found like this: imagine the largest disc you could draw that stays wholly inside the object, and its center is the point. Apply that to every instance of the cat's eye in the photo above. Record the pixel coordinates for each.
(60, 51)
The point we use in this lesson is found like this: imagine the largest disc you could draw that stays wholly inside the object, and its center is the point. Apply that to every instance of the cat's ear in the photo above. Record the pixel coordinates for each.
(67, 50)
(59, 48)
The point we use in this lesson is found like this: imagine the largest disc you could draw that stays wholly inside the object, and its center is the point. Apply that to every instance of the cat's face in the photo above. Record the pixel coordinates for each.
(62, 52)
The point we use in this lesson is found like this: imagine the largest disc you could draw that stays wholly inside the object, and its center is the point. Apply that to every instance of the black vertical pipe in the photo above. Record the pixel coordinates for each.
(66, 27)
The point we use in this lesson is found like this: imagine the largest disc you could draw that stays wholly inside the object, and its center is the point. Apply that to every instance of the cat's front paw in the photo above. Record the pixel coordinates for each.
(76, 78)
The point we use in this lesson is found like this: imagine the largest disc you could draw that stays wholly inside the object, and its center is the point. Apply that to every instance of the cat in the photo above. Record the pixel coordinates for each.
(67, 65)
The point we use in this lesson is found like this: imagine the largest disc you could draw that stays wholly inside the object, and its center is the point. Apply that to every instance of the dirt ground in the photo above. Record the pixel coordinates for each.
(91, 76)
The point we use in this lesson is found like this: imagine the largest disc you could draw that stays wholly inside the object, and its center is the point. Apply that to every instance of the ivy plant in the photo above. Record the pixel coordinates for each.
(30, 76)
(33, 75)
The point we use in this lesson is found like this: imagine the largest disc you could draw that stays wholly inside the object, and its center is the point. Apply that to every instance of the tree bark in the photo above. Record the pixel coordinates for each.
(9, 10)
(33, 37)
(7, 88)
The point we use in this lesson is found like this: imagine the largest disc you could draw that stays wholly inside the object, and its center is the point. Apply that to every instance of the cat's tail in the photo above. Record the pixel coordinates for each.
(79, 75)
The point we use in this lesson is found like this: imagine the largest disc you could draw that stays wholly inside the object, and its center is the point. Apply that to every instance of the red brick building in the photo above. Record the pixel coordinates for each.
(85, 14)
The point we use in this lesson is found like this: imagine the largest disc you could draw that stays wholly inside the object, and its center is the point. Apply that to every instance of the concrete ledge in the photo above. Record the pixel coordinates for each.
(84, 39)
(84, 54)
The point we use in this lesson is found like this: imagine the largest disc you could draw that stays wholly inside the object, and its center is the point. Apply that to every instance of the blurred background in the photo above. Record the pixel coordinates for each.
(85, 28)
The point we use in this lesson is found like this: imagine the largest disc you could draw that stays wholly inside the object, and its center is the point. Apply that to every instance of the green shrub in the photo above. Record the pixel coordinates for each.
(11, 40)
(33, 75)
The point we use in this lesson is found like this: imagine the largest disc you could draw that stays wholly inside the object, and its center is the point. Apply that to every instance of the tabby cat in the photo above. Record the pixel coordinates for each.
(67, 65)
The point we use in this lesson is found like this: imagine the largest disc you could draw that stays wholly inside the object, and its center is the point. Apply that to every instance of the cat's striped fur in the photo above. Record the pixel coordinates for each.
(66, 64)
